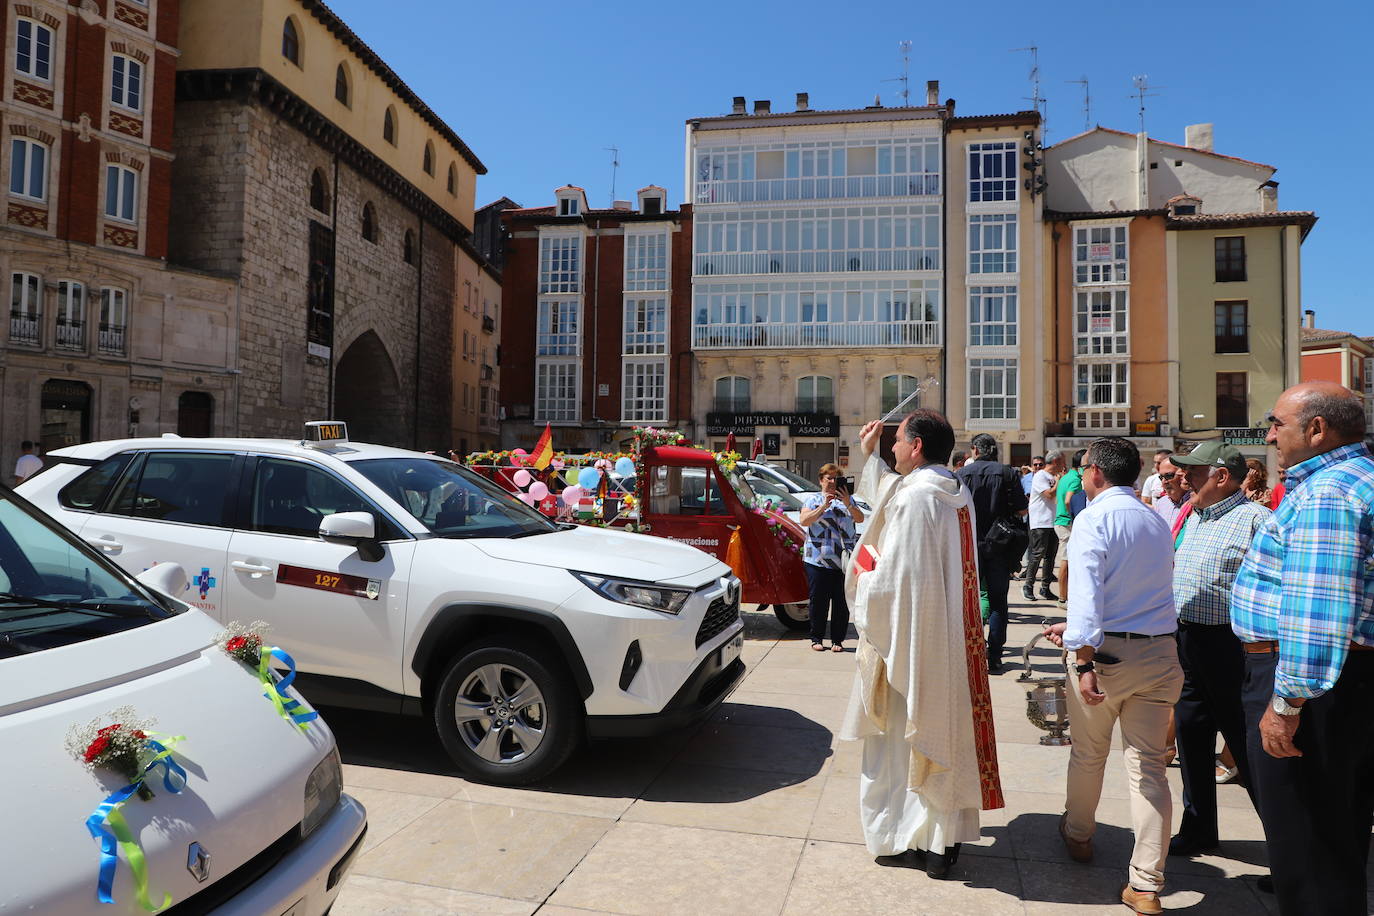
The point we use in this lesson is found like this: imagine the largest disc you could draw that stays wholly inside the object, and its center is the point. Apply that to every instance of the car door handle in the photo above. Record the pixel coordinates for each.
(106, 543)
(253, 568)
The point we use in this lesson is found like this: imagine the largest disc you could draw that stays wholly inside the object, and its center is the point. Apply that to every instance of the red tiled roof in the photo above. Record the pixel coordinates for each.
(1323, 334)
(1304, 218)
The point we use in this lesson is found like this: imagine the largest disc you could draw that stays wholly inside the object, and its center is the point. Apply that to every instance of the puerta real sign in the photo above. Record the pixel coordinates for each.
(798, 424)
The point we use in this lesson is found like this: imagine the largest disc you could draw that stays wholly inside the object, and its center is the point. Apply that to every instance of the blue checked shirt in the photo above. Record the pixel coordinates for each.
(1308, 580)
(1208, 557)
(831, 536)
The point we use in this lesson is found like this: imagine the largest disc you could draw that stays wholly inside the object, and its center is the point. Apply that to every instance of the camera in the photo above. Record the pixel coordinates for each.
(845, 483)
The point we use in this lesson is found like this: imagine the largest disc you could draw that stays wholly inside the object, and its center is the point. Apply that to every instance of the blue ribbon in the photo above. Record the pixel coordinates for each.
(173, 780)
(285, 704)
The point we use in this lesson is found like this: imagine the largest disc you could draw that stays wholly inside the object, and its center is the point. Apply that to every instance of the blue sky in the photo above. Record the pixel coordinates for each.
(540, 89)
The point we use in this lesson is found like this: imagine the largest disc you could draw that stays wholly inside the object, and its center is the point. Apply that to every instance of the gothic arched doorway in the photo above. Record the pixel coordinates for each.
(367, 394)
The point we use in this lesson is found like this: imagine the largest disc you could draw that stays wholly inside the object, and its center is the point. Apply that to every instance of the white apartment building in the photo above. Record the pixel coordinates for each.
(817, 274)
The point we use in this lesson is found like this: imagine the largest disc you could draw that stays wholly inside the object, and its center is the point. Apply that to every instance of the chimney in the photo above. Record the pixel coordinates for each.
(877, 101)
(932, 93)
(803, 101)
(622, 205)
(737, 106)
(762, 106)
(1198, 136)
(1309, 318)
(1269, 197)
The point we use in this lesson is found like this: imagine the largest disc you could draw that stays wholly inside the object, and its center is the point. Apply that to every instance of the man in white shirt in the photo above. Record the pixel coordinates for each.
(28, 463)
(1044, 543)
(1150, 490)
(1123, 663)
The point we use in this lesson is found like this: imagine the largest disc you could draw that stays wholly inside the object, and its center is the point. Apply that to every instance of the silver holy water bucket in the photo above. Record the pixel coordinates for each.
(1047, 701)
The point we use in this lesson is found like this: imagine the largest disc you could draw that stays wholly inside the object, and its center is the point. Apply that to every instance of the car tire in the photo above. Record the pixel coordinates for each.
(494, 739)
(794, 616)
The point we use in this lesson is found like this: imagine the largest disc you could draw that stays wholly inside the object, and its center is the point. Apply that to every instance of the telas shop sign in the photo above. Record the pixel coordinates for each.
(798, 424)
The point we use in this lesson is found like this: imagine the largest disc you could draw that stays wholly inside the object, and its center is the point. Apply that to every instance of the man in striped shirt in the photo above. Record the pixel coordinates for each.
(1303, 605)
(1208, 554)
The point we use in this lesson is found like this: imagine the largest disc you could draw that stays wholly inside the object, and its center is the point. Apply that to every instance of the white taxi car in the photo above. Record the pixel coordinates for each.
(403, 582)
(259, 825)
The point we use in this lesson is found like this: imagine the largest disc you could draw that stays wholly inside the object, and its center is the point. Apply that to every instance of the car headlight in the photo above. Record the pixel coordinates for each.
(322, 791)
(639, 594)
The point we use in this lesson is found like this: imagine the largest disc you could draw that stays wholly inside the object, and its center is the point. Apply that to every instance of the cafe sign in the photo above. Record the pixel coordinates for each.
(1244, 436)
(798, 424)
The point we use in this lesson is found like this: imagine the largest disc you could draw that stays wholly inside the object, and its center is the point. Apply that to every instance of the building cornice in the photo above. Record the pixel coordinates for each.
(340, 30)
(251, 84)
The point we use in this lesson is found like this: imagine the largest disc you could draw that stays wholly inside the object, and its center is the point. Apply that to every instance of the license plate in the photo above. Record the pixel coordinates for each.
(731, 650)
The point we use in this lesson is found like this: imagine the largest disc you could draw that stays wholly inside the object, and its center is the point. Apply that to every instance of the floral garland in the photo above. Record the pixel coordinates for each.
(649, 436)
(129, 747)
(776, 526)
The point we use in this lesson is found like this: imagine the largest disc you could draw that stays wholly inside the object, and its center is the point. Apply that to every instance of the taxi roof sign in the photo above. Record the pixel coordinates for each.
(326, 431)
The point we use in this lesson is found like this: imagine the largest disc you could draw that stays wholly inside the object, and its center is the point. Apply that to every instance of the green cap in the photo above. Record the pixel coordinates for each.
(1216, 455)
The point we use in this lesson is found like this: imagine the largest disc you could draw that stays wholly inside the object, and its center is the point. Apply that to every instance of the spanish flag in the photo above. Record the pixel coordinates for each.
(543, 450)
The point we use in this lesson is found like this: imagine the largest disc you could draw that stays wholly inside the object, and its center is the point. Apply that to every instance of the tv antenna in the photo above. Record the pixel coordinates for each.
(1037, 101)
(905, 79)
(1142, 92)
(615, 164)
(1087, 102)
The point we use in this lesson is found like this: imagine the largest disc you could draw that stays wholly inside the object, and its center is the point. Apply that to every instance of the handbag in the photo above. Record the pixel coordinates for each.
(1009, 533)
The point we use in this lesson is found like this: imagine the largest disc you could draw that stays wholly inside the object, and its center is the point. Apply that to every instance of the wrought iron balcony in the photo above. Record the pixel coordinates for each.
(71, 334)
(111, 339)
(847, 334)
(24, 329)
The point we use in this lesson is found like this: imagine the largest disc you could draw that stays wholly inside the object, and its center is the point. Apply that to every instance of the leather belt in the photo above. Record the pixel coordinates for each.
(1271, 646)
(1138, 635)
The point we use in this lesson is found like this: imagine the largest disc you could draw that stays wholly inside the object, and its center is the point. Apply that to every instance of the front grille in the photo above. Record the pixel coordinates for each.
(240, 879)
(722, 612)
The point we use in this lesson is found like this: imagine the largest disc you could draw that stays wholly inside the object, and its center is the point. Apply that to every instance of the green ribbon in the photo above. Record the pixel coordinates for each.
(138, 865)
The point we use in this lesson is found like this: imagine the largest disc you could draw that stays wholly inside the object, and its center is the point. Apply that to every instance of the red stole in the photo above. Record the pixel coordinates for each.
(976, 651)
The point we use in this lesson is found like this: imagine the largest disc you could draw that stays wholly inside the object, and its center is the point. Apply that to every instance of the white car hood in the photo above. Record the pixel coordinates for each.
(608, 552)
(246, 766)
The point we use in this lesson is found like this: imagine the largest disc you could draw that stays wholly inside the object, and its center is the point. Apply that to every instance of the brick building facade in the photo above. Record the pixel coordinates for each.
(104, 339)
(596, 337)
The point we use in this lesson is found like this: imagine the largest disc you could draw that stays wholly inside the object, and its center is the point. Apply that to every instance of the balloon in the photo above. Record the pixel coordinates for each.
(571, 477)
(588, 478)
(539, 489)
(571, 495)
(526, 498)
(521, 478)
(557, 464)
(625, 467)
(517, 451)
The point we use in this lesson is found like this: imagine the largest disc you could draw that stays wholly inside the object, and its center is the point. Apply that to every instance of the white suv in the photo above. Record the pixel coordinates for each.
(403, 582)
(258, 824)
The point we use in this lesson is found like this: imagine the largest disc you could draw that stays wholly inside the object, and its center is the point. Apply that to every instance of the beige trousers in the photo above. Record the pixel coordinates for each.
(1141, 691)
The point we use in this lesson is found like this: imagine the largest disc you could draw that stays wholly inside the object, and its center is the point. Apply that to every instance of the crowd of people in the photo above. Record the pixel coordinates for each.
(1263, 634)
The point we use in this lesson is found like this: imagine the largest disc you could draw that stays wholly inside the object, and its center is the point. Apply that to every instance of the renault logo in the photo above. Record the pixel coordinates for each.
(198, 862)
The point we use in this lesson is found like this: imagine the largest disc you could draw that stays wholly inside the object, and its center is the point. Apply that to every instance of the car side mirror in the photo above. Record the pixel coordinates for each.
(356, 528)
(348, 527)
(165, 578)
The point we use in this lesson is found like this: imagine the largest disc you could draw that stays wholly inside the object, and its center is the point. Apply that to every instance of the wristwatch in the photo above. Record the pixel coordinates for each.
(1083, 667)
(1282, 707)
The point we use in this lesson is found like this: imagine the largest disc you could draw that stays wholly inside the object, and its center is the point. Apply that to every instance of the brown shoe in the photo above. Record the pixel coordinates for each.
(1080, 851)
(1143, 902)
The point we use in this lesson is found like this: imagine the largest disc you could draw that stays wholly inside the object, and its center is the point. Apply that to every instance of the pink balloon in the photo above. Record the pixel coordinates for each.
(527, 499)
(522, 478)
(572, 494)
(517, 451)
(558, 464)
(539, 489)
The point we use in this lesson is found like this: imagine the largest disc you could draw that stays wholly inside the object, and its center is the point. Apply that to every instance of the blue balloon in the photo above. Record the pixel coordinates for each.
(588, 478)
(625, 467)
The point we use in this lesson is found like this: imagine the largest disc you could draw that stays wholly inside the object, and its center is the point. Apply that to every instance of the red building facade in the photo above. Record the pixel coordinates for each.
(597, 323)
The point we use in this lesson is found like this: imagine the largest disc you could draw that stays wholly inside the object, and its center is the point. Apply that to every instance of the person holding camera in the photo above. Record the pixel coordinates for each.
(829, 518)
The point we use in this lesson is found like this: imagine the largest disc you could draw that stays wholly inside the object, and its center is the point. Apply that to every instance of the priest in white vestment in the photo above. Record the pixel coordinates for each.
(920, 703)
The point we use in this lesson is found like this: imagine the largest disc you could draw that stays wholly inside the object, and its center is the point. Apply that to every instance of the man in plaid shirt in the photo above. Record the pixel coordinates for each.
(1303, 605)
(1207, 555)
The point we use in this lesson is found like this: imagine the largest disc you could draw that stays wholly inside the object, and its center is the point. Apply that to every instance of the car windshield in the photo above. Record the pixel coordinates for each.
(54, 592)
(780, 498)
(452, 501)
(796, 483)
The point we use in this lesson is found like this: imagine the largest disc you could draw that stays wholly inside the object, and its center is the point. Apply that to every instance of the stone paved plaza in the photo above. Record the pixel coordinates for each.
(754, 812)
